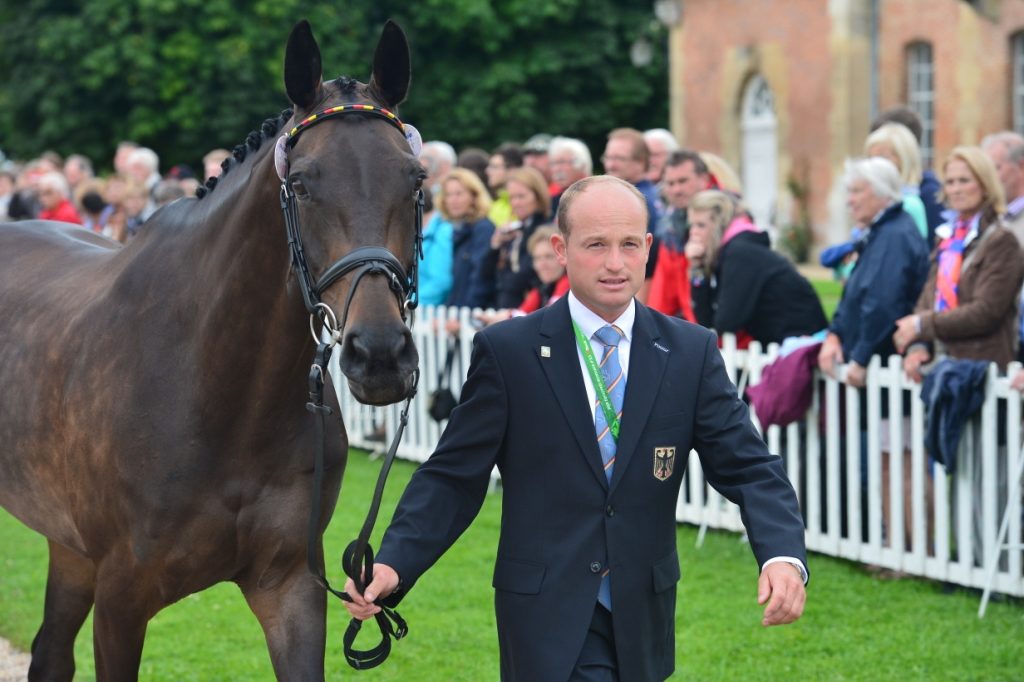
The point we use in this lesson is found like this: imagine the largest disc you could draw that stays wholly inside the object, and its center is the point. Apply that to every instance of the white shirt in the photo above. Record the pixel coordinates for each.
(589, 322)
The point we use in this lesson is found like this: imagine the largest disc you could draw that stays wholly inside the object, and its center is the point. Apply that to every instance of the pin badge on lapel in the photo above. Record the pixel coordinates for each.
(664, 461)
(545, 352)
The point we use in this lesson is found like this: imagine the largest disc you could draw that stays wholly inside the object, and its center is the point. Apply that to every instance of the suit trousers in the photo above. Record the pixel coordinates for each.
(597, 658)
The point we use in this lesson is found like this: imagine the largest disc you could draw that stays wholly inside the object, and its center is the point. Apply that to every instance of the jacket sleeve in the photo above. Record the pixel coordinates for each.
(482, 284)
(446, 492)
(702, 295)
(739, 288)
(894, 278)
(737, 464)
(994, 290)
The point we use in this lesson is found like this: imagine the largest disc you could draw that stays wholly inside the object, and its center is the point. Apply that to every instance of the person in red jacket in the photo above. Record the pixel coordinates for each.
(685, 175)
(52, 190)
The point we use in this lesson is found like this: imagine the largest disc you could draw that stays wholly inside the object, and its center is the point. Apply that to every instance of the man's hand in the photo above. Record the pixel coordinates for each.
(385, 580)
(782, 582)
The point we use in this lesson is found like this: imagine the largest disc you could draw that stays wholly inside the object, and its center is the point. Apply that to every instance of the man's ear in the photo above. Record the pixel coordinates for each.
(559, 245)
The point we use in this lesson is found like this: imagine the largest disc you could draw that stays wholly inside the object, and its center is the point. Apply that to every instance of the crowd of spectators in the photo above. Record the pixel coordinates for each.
(710, 262)
(69, 190)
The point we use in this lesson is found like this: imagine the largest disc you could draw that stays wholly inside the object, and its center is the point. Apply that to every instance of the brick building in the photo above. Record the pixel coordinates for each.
(785, 89)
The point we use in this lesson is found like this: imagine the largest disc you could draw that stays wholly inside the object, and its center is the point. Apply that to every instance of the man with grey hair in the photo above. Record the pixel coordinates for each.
(1006, 149)
(143, 166)
(437, 159)
(569, 161)
(660, 143)
(77, 168)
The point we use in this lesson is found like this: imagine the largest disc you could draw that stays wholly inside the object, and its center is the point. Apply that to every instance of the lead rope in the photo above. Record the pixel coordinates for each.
(357, 560)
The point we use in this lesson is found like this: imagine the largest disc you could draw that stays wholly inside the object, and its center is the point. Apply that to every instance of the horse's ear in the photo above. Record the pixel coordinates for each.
(303, 71)
(391, 66)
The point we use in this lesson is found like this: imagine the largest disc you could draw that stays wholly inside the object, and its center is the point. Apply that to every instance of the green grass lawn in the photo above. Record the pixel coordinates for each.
(855, 626)
(829, 291)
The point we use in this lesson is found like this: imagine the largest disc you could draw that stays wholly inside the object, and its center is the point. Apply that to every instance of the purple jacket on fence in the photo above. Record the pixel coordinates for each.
(787, 385)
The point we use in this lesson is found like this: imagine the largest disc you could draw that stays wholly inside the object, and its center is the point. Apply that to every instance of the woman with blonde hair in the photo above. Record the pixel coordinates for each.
(896, 143)
(464, 202)
(739, 283)
(968, 308)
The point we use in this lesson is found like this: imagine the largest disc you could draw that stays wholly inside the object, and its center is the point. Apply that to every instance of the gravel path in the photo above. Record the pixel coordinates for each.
(13, 663)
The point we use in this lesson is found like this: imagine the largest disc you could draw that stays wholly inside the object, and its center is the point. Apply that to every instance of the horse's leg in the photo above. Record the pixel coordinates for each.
(119, 623)
(293, 614)
(70, 583)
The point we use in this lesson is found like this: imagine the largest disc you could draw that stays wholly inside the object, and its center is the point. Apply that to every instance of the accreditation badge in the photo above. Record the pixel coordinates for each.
(664, 460)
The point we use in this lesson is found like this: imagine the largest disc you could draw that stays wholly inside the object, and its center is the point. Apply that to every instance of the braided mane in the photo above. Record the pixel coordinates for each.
(268, 130)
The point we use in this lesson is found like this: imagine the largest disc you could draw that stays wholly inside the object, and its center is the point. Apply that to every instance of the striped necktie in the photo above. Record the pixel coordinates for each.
(615, 382)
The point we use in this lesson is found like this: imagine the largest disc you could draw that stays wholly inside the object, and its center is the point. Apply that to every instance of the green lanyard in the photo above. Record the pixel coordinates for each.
(597, 379)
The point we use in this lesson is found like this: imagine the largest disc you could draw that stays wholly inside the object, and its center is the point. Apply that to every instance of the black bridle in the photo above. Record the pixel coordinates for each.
(357, 560)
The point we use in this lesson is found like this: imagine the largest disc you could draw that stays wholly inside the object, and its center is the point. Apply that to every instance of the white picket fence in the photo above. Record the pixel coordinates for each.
(947, 534)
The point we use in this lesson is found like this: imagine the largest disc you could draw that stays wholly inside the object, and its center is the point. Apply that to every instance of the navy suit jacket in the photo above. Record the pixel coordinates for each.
(526, 410)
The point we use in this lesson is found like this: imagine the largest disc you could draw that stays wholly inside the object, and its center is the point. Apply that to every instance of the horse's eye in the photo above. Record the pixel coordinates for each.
(299, 189)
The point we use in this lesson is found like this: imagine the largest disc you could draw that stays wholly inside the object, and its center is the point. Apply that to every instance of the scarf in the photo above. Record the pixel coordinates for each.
(950, 260)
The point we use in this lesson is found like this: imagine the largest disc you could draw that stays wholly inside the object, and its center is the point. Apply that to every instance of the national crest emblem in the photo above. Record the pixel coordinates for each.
(664, 462)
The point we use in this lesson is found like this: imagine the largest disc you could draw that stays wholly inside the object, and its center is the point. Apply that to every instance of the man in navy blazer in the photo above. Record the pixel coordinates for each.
(529, 407)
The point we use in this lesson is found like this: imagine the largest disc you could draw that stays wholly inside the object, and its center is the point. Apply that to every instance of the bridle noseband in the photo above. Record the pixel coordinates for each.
(357, 560)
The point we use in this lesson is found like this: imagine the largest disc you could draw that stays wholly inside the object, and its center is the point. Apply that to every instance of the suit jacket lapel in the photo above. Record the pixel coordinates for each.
(646, 367)
(563, 372)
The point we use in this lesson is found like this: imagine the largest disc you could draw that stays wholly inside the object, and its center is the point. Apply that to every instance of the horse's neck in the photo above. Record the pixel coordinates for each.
(230, 260)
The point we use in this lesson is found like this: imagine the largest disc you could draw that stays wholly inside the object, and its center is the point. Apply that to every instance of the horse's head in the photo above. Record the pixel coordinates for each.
(352, 181)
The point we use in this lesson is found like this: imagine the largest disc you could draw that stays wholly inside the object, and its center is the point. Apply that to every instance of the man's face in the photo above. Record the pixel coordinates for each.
(605, 252)
(682, 182)
(619, 161)
(1011, 175)
(73, 173)
(563, 169)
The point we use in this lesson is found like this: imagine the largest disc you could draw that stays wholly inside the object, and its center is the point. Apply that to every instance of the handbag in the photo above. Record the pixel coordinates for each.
(441, 401)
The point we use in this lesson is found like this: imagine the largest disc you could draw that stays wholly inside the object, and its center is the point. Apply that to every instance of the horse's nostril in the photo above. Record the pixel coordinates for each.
(376, 351)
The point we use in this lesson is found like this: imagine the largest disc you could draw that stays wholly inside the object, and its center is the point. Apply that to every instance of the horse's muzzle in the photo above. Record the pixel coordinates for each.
(379, 363)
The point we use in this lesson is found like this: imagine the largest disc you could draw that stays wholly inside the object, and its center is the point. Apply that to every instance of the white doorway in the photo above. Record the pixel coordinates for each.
(760, 151)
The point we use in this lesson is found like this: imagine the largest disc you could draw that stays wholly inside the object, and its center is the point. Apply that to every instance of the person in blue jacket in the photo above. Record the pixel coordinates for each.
(892, 264)
(465, 203)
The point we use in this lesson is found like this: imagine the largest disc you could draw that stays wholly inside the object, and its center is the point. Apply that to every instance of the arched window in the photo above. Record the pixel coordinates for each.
(759, 129)
(921, 94)
(1017, 85)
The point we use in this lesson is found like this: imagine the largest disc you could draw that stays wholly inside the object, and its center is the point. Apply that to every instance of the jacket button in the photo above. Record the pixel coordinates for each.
(609, 510)
(595, 567)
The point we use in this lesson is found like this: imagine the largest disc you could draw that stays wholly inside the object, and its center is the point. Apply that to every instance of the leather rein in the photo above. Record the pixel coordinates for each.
(357, 559)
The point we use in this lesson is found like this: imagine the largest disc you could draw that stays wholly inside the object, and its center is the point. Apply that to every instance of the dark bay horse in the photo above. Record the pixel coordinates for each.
(152, 412)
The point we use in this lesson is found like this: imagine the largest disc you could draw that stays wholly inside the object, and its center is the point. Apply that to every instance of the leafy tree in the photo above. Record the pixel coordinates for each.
(185, 76)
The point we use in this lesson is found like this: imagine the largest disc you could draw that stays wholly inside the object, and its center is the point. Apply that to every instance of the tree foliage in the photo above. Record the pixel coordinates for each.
(185, 76)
